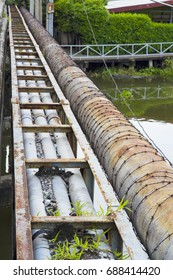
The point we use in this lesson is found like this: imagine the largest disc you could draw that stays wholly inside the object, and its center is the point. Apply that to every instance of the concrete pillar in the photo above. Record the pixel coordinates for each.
(132, 64)
(150, 63)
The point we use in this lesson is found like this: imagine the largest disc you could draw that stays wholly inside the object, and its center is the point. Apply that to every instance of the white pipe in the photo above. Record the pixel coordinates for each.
(77, 188)
(61, 195)
(58, 184)
(40, 244)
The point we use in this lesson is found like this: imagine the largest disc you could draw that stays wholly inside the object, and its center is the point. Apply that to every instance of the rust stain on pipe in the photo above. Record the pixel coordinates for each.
(132, 164)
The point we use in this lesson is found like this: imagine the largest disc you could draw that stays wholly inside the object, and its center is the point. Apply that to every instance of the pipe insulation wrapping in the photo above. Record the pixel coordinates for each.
(134, 167)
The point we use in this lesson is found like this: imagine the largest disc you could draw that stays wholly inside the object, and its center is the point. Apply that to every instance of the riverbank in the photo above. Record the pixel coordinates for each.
(164, 71)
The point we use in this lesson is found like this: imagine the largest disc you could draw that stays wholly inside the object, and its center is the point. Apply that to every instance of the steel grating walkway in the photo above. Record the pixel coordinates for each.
(55, 168)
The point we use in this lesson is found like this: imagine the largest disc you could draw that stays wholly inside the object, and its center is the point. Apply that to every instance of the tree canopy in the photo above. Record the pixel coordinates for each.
(70, 16)
(90, 18)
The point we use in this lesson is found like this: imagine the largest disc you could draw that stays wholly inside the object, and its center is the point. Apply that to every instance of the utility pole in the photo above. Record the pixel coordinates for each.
(49, 16)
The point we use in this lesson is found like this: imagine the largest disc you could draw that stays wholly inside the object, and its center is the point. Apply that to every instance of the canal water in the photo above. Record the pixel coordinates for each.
(148, 104)
(6, 206)
(6, 211)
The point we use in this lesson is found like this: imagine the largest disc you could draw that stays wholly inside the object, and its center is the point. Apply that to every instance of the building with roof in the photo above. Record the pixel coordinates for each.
(158, 10)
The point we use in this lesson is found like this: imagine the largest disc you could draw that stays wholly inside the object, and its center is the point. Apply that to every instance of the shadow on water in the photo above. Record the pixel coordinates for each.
(6, 233)
(6, 204)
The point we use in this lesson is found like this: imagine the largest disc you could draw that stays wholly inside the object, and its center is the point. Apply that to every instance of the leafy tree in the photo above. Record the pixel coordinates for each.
(11, 2)
(89, 19)
(17, 2)
(70, 16)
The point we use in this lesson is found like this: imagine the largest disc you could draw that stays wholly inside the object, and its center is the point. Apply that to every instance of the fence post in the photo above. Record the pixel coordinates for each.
(103, 49)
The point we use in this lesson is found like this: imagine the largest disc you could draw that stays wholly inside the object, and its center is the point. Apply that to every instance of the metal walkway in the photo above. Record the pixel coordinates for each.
(55, 169)
(120, 52)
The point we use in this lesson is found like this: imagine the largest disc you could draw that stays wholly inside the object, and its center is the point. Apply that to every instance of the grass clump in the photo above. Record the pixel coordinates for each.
(78, 247)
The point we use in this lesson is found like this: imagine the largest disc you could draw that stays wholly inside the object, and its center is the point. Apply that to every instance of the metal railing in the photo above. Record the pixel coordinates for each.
(145, 93)
(84, 52)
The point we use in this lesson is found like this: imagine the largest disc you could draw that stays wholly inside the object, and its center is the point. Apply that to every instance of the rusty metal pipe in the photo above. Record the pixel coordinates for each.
(131, 170)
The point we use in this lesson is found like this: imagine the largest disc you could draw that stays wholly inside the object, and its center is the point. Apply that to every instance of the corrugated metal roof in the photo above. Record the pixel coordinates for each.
(129, 5)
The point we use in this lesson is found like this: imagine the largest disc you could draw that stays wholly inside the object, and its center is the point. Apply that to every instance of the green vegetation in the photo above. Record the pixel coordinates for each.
(120, 256)
(123, 205)
(127, 94)
(55, 213)
(70, 17)
(78, 246)
(102, 212)
(166, 72)
(13, 2)
(78, 209)
(85, 244)
(66, 251)
(82, 247)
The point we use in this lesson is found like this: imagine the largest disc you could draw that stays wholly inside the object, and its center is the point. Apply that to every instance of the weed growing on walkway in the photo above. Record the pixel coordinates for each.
(78, 247)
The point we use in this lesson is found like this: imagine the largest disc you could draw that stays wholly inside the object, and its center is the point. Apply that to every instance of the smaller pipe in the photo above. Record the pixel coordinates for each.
(61, 195)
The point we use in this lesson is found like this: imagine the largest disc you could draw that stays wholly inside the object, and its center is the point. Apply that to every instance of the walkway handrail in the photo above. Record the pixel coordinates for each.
(106, 50)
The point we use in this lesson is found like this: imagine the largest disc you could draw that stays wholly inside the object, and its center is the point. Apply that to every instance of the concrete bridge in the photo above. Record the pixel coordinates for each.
(55, 167)
(120, 52)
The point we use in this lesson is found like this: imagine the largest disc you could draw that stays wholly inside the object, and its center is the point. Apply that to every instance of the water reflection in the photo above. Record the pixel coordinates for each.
(6, 152)
(161, 134)
(144, 93)
(7, 159)
(152, 104)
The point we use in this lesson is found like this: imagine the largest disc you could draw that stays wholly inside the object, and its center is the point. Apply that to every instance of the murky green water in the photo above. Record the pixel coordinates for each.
(6, 207)
(6, 233)
(149, 107)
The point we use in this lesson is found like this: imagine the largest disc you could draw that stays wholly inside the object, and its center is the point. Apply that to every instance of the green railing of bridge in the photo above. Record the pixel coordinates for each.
(117, 50)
